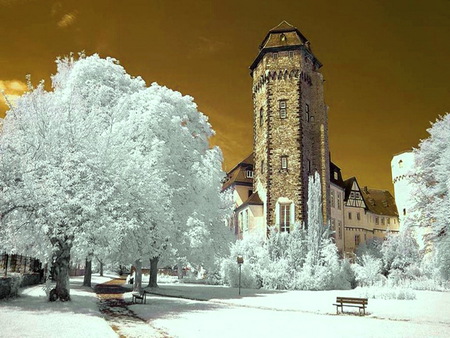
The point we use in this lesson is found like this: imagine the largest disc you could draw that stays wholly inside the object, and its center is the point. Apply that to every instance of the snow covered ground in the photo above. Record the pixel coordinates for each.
(259, 313)
(220, 312)
(30, 315)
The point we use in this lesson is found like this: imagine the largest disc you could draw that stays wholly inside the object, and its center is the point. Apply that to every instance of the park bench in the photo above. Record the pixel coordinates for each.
(360, 303)
(141, 296)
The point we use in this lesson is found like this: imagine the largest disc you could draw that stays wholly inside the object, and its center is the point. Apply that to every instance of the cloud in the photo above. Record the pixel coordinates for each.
(209, 46)
(12, 89)
(67, 19)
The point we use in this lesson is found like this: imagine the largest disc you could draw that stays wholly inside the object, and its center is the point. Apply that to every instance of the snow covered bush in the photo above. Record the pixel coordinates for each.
(371, 247)
(385, 292)
(368, 270)
(305, 259)
(251, 249)
(400, 252)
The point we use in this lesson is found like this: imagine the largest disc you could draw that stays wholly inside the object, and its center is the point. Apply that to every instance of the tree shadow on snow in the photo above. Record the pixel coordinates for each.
(207, 292)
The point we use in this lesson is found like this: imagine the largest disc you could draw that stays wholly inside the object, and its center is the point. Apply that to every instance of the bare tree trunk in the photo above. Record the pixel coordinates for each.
(138, 276)
(101, 267)
(61, 264)
(180, 269)
(153, 283)
(88, 271)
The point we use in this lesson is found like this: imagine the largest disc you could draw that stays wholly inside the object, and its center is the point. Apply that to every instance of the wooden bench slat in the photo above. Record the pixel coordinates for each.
(351, 302)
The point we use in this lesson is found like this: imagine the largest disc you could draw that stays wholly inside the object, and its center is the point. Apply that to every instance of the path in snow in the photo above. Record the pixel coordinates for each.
(122, 320)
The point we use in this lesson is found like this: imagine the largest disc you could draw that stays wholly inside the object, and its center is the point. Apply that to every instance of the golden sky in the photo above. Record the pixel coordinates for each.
(385, 62)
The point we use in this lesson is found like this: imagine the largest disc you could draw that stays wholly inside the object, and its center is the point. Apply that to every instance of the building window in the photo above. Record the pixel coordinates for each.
(358, 216)
(333, 224)
(339, 200)
(275, 55)
(336, 175)
(333, 204)
(395, 222)
(249, 173)
(388, 220)
(339, 229)
(357, 240)
(291, 54)
(261, 116)
(283, 109)
(285, 217)
(307, 113)
(349, 215)
(400, 164)
(309, 166)
(404, 212)
(246, 220)
(376, 220)
(382, 220)
(284, 162)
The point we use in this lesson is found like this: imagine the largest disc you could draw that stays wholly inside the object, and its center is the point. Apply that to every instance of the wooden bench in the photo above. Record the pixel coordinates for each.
(142, 297)
(360, 303)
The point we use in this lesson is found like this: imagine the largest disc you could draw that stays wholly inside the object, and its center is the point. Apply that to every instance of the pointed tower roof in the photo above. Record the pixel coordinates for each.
(283, 37)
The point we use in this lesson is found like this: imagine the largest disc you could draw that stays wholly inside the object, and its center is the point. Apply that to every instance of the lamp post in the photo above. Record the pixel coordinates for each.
(240, 261)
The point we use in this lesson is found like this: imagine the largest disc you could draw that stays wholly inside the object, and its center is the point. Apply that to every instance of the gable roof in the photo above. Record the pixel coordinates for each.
(380, 202)
(238, 174)
(254, 199)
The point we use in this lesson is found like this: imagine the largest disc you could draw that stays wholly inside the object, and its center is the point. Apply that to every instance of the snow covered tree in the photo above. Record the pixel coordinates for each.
(106, 165)
(368, 270)
(59, 160)
(430, 181)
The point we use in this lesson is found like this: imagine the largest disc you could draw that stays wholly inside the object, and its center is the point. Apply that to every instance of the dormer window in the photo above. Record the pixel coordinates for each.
(249, 173)
(283, 37)
(283, 109)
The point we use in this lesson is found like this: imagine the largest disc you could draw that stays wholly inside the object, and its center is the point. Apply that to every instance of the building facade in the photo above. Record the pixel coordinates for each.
(290, 129)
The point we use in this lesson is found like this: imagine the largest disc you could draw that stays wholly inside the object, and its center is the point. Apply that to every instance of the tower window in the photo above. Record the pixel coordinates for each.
(275, 55)
(339, 200)
(388, 220)
(377, 220)
(358, 216)
(339, 229)
(283, 37)
(261, 116)
(283, 109)
(249, 173)
(262, 167)
(285, 217)
(284, 162)
(349, 215)
(309, 166)
(404, 212)
(307, 116)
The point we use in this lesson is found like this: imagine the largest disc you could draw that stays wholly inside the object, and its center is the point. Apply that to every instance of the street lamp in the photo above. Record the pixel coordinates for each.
(240, 261)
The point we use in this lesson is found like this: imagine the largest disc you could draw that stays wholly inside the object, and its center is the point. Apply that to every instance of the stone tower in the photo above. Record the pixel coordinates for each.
(290, 126)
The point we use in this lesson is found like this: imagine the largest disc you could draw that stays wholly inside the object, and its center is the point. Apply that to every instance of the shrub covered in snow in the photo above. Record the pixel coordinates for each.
(384, 292)
(304, 259)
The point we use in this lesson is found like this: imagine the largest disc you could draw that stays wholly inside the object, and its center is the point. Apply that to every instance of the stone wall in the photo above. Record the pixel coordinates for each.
(302, 136)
